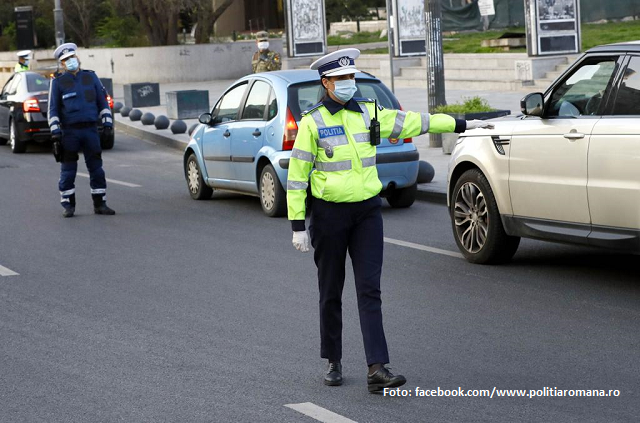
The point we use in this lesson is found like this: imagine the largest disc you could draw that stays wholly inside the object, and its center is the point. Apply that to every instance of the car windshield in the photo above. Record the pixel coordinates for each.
(304, 96)
(36, 82)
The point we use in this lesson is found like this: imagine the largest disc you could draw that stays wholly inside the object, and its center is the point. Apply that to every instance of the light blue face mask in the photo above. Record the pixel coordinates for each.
(345, 89)
(71, 64)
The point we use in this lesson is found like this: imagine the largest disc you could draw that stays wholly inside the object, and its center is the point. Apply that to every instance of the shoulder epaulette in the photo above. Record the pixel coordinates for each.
(306, 112)
(364, 100)
(88, 70)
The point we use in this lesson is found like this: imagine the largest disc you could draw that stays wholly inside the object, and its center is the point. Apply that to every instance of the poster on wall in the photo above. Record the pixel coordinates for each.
(306, 28)
(409, 18)
(553, 26)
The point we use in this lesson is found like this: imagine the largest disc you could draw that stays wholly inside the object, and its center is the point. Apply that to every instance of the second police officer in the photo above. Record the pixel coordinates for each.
(77, 102)
(338, 137)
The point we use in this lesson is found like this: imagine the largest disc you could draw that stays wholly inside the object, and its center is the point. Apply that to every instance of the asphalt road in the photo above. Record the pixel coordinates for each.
(189, 311)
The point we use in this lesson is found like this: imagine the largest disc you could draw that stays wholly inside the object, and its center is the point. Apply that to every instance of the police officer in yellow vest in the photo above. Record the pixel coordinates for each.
(23, 61)
(334, 136)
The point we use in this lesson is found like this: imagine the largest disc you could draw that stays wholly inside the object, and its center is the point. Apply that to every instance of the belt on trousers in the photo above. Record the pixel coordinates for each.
(80, 125)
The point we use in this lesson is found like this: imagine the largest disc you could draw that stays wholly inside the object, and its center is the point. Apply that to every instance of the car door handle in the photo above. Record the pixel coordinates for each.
(226, 134)
(257, 133)
(574, 136)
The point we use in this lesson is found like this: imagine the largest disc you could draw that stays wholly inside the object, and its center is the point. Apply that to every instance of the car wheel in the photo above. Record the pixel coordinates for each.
(107, 143)
(272, 196)
(476, 222)
(197, 187)
(17, 146)
(403, 197)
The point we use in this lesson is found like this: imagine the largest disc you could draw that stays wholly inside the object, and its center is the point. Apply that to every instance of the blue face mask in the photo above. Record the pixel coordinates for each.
(345, 89)
(72, 64)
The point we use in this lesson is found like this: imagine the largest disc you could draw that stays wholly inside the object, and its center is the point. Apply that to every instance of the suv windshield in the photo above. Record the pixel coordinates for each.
(304, 96)
(36, 82)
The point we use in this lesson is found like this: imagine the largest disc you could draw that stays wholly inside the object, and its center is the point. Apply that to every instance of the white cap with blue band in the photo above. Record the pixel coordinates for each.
(340, 62)
(65, 51)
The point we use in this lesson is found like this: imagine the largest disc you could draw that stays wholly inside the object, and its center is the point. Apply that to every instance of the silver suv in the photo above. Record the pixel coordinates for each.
(566, 170)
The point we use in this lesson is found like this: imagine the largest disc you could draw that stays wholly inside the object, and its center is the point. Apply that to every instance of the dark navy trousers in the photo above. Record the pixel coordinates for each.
(338, 228)
(87, 141)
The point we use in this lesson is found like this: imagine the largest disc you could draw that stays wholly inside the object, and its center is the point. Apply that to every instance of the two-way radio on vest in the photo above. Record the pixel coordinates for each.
(374, 129)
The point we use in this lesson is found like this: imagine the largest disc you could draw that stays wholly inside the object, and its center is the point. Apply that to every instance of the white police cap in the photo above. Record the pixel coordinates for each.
(64, 51)
(341, 62)
(24, 53)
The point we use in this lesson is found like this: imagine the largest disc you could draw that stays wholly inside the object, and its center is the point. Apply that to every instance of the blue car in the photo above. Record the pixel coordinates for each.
(244, 144)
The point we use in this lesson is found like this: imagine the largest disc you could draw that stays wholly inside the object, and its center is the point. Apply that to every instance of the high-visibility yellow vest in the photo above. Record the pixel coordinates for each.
(339, 147)
(20, 68)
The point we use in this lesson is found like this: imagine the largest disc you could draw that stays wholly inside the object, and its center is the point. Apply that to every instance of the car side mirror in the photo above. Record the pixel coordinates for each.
(532, 104)
(205, 118)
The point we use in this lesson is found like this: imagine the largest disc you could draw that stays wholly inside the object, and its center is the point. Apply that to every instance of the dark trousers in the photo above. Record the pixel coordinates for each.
(86, 140)
(357, 228)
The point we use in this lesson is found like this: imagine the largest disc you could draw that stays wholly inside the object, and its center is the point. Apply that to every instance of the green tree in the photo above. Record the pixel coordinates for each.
(350, 9)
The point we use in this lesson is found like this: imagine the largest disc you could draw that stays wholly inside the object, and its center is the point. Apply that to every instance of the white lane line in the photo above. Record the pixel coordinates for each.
(7, 272)
(113, 181)
(423, 247)
(318, 413)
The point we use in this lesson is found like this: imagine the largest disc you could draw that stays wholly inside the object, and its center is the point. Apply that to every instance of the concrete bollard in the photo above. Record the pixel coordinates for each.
(124, 112)
(178, 127)
(117, 106)
(426, 172)
(135, 115)
(161, 122)
(147, 118)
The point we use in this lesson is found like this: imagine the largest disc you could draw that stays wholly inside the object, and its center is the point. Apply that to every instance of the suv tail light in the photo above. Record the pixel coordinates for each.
(290, 131)
(110, 101)
(406, 140)
(30, 105)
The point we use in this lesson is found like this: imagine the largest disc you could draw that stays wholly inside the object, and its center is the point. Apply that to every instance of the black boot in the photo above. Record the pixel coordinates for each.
(70, 206)
(383, 378)
(100, 206)
(334, 374)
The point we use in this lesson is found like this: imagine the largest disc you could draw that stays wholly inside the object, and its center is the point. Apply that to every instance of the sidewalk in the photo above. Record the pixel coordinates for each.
(411, 99)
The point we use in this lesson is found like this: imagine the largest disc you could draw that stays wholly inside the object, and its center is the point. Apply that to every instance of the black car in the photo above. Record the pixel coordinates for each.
(23, 111)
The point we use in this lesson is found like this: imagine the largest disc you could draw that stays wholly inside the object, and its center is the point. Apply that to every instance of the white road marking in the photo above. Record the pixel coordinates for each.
(113, 181)
(7, 272)
(423, 247)
(318, 413)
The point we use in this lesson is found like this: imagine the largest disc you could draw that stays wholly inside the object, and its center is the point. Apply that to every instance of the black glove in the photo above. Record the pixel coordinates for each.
(57, 147)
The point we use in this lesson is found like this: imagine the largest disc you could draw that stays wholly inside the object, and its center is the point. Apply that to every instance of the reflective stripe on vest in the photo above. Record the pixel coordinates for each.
(369, 161)
(398, 125)
(296, 185)
(333, 166)
(302, 155)
(363, 137)
(365, 115)
(424, 120)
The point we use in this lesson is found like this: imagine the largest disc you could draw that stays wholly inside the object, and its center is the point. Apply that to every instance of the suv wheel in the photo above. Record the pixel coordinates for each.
(17, 146)
(197, 187)
(476, 222)
(403, 197)
(272, 197)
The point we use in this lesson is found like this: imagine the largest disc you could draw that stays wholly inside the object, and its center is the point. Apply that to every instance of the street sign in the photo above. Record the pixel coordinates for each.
(25, 30)
(553, 27)
(306, 28)
(410, 32)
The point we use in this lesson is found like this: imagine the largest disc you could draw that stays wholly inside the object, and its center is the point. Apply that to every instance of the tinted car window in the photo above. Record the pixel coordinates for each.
(228, 107)
(304, 96)
(628, 99)
(273, 106)
(582, 92)
(36, 83)
(256, 101)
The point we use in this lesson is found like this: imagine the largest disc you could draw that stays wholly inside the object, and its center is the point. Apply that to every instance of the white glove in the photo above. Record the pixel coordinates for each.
(476, 123)
(301, 241)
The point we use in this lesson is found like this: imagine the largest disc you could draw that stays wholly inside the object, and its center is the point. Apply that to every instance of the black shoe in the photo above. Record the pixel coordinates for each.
(334, 374)
(383, 378)
(103, 209)
(68, 211)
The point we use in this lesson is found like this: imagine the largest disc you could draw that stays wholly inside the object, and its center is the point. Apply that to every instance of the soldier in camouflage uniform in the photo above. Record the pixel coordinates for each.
(265, 60)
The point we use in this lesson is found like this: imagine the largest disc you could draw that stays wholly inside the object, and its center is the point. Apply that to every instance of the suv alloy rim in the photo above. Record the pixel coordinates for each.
(470, 217)
(194, 177)
(12, 136)
(268, 191)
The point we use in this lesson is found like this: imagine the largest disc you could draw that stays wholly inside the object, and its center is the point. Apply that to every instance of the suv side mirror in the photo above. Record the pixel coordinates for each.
(532, 105)
(205, 118)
